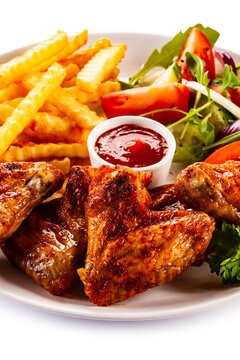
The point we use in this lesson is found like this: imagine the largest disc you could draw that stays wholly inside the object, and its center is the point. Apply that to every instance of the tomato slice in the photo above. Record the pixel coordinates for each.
(234, 93)
(198, 44)
(225, 153)
(141, 100)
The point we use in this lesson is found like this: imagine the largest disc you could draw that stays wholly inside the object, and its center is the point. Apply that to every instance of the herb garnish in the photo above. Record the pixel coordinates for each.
(224, 259)
(228, 80)
(165, 57)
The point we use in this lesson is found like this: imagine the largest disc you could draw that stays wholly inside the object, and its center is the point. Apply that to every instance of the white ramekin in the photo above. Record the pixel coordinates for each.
(159, 170)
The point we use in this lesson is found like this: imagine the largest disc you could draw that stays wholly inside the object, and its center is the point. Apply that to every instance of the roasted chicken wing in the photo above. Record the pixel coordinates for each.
(131, 248)
(51, 243)
(23, 185)
(164, 198)
(214, 189)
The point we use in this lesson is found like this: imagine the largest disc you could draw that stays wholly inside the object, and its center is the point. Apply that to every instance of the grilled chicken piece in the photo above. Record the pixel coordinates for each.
(131, 248)
(51, 244)
(116, 200)
(214, 189)
(23, 185)
(164, 198)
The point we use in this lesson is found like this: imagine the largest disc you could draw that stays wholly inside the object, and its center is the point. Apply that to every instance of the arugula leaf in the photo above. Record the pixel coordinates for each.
(224, 141)
(192, 134)
(192, 112)
(165, 57)
(224, 259)
(228, 80)
(191, 138)
(125, 85)
(177, 71)
(206, 129)
(196, 67)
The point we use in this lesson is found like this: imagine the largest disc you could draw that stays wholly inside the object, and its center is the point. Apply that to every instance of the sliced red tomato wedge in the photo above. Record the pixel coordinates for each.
(234, 93)
(198, 44)
(141, 100)
(225, 153)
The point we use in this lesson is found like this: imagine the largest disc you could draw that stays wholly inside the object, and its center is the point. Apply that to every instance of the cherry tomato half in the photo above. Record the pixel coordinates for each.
(141, 100)
(198, 44)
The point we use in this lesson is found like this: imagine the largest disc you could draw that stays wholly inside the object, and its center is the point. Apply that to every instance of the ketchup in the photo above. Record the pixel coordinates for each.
(131, 145)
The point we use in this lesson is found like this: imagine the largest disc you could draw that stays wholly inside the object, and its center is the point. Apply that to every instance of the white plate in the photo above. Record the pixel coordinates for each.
(195, 290)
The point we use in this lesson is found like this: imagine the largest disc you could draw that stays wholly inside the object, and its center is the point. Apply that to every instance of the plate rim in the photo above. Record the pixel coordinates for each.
(86, 313)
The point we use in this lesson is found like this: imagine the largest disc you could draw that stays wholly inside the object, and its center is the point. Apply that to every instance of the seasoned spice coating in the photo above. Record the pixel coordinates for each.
(164, 198)
(131, 248)
(51, 244)
(211, 188)
(23, 185)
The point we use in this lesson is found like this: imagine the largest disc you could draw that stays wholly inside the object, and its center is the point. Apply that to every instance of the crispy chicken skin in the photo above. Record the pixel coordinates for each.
(213, 189)
(131, 248)
(23, 185)
(164, 198)
(51, 244)
(116, 200)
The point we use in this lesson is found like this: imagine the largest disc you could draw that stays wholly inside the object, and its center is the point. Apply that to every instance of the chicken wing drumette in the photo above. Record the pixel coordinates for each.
(214, 189)
(51, 244)
(23, 185)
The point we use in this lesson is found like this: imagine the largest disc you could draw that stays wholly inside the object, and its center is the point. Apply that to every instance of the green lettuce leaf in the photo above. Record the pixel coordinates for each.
(165, 57)
(189, 154)
(125, 85)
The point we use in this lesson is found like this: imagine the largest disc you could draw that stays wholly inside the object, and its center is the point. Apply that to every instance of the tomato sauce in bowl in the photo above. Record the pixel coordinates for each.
(136, 142)
(131, 145)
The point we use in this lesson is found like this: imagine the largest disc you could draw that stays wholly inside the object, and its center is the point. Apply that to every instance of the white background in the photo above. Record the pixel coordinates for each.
(27, 333)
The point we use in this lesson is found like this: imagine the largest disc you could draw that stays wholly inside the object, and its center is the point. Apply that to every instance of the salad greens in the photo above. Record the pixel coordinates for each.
(198, 135)
(125, 85)
(165, 57)
(228, 79)
(196, 66)
(195, 133)
(224, 259)
(198, 131)
(192, 133)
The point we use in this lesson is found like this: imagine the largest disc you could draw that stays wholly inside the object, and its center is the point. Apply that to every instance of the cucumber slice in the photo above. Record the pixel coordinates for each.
(220, 117)
(162, 76)
(168, 76)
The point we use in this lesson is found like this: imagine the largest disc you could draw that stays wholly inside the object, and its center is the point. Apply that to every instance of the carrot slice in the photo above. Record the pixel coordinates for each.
(225, 153)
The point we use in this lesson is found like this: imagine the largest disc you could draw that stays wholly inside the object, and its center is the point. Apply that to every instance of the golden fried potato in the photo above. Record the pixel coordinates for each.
(69, 49)
(11, 92)
(99, 67)
(16, 68)
(82, 58)
(27, 109)
(50, 98)
(45, 151)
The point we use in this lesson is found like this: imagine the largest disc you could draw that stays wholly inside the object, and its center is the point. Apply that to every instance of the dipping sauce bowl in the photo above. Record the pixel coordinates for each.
(160, 169)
